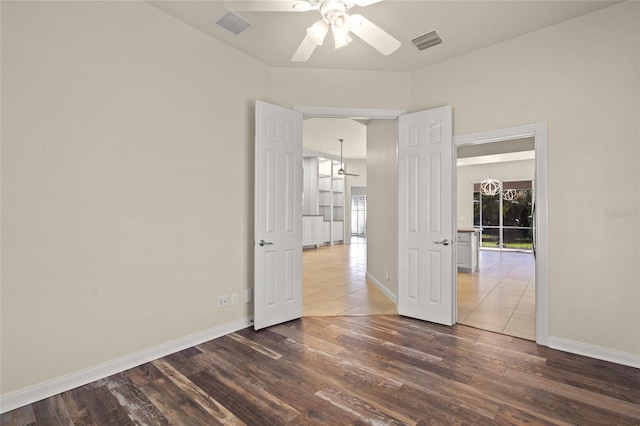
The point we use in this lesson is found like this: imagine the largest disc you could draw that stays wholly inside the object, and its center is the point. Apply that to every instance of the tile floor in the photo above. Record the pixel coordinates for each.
(334, 283)
(500, 296)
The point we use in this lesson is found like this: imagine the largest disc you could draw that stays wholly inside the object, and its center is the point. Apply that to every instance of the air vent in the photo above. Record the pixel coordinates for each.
(233, 23)
(426, 40)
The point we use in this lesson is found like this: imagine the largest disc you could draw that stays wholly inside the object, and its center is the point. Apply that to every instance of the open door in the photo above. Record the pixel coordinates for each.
(277, 215)
(425, 216)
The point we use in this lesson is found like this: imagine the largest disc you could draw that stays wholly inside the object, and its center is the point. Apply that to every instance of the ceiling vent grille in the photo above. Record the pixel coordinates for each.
(233, 23)
(426, 40)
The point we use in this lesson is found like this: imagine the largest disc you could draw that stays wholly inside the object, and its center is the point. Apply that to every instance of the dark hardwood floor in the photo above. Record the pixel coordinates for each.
(382, 370)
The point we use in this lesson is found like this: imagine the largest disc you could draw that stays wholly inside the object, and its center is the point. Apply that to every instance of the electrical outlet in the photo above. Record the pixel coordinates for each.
(234, 298)
(223, 301)
(248, 295)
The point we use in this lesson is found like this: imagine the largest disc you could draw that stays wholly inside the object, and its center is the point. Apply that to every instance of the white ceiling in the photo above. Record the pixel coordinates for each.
(464, 26)
(321, 135)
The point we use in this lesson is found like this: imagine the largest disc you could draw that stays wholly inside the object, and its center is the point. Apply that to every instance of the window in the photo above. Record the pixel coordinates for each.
(359, 215)
(505, 218)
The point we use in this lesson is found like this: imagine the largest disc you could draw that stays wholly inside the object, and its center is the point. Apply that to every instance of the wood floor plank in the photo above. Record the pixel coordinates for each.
(140, 409)
(21, 416)
(354, 371)
(95, 407)
(600, 401)
(251, 408)
(524, 395)
(300, 394)
(175, 405)
(311, 341)
(369, 414)
(197, 395)
(52, 411)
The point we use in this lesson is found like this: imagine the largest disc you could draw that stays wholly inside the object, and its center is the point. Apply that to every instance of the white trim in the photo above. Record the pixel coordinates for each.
(49, 388)
(353, 113)
(597, 352)
(382, 288)
(497, 135)
(539, 133)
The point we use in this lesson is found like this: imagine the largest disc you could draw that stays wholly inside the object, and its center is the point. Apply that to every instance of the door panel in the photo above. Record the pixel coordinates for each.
(425, 216)
(277, 215)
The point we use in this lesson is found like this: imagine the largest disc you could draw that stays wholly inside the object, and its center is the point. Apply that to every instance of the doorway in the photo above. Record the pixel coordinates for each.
(335, 178)
(495, 199)
(358, 215)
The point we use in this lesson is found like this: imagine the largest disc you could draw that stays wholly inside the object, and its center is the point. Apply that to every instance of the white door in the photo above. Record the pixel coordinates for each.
(425, 216)
(277, 215)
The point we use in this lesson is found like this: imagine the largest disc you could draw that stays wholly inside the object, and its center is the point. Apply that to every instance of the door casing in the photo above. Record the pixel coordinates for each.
(539, 132)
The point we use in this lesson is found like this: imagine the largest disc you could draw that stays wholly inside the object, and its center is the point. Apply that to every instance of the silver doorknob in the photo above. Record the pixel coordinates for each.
(444, 242)
(263, 243)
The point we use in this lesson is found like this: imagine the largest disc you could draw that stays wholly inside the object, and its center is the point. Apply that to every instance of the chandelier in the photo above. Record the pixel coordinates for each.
(490, 187)
(509, 194)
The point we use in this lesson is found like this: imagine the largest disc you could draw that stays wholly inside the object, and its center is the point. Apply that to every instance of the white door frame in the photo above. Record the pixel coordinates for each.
(539, 132)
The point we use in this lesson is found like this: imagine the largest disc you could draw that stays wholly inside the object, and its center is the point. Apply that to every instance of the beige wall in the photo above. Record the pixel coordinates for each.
(468, 175)
(339, 88)
(583, 78)
(127, 154)
(382, 202)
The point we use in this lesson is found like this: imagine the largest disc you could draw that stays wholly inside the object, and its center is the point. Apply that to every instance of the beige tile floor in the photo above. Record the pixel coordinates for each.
(334, 283)
(500, 296)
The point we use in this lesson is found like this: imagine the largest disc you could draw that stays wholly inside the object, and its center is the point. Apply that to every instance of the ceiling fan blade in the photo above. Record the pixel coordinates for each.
(364, 3)
(268, 5)
(350, 174)
(378, 38)
(304, 51)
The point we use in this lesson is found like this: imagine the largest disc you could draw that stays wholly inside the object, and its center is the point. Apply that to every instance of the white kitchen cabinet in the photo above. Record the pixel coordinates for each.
(467, 249)
(311, 231)
(337, 230)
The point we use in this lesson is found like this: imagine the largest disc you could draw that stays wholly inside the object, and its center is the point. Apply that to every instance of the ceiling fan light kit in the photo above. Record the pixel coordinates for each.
(333, 14)
(318, 31)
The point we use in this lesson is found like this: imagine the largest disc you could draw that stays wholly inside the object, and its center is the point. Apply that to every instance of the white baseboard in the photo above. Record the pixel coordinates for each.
(382, 288)
(597, 352)
(49, 388)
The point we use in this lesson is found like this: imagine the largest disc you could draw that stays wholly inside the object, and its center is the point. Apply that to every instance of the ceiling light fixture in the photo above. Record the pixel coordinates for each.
(490, 186)
(509, 194)
(318, 31)
(340, 24)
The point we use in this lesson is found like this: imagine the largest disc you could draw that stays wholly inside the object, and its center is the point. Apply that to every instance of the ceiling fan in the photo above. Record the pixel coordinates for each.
(341, 169)
(333, 15)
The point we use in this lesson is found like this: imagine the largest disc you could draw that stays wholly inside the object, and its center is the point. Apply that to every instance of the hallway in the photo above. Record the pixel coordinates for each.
(334, 283)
